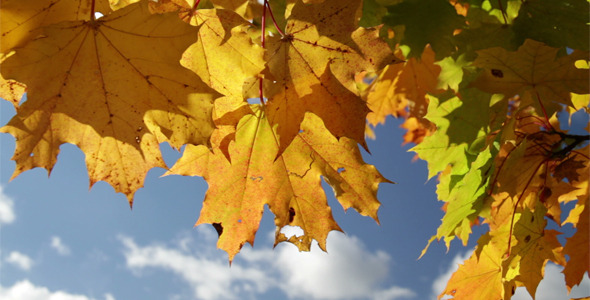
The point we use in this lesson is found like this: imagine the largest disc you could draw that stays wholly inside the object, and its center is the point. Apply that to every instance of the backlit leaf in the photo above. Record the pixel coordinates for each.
(535, 73)
(313, 66)
(135, 95)
(290, 184)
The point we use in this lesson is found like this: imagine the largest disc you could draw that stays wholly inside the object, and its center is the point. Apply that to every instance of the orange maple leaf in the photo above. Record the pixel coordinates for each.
(115, 88)
(290, 184)
(312, 68)
(403, 85)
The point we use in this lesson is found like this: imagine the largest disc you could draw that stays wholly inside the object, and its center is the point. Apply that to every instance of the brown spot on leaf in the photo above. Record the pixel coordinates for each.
(497, 73)
(291, 214)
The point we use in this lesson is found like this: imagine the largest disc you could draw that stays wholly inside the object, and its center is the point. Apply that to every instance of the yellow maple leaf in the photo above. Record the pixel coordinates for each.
(535, 246)
(577, 246)
(312, 68)
(11, 90)
(290, 184)
(245, 8)
(223, 56)
(536, 73)
(115, 88)
(479, 277)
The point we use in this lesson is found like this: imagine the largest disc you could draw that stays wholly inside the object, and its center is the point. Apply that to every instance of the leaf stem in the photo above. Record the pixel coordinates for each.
(518, 201)
(92, 10)
(503, 12)
(194, 8)
(272, 16)
(548, 125)
(262, 43)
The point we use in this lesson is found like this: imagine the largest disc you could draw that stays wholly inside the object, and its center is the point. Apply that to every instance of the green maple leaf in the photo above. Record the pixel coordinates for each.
(424, 22)
(465, 196)
(451, 73)
(461, 125)
(556, 23)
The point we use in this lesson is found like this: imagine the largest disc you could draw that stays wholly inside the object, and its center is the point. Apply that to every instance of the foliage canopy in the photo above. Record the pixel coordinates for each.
(479, 84)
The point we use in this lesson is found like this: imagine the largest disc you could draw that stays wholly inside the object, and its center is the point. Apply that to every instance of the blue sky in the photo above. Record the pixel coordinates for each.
(61, 241)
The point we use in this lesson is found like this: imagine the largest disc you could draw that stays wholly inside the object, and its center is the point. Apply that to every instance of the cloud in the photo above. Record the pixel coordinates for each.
(59, 246)
(210, 278)
(20, 260)
(108, 296)
(25, 290)
(550, 288)
(347, 271)
(7, 215)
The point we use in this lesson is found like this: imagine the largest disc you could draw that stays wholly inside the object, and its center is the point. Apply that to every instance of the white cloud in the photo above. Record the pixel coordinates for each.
(108, 296)
(347, 271)
(59, 246)
(20, 260)
(7, 215)
(550, 288)
(209, 278)
(25, 290)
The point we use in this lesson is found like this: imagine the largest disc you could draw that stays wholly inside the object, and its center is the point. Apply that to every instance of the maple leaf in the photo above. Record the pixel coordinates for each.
(555, 23)
(245, 8)
(464, 196)
(118, 4)
(522, 163)
(417, 130)
(401, 85)
(20, 20)
(417, 23)
(479, 277)
(314, 65)
(460, 127)
(576, 247)
(224, 56)
(125, 67)
(568, 169)
(451, 72)
(535, 73)
(534, 248)
(289, 185)
(10, 90)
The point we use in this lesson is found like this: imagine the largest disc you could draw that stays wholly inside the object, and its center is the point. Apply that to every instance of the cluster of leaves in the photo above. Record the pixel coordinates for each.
(480, 88)
(478, 82)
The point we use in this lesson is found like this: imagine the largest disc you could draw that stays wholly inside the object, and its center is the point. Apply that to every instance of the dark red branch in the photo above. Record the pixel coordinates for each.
(516, 205)
(272, 16)
(92, 10)
(194, 8)
(262, 42)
